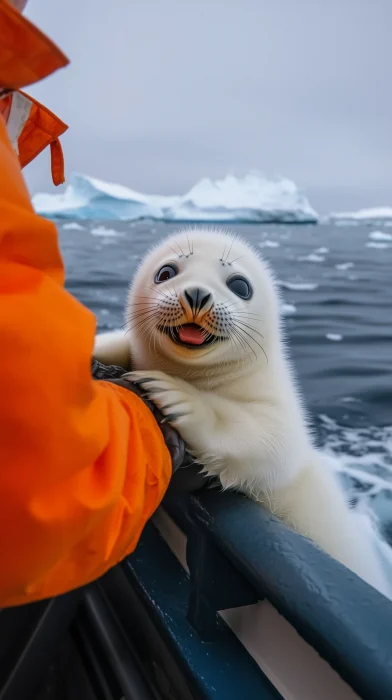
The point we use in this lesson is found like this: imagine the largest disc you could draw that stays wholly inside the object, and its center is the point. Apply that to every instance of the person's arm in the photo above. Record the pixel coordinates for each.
(83, 463)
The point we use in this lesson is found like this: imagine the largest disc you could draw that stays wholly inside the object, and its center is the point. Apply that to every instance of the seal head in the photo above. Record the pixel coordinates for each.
(203, 297)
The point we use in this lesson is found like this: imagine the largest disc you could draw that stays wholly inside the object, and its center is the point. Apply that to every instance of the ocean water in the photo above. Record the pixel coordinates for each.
(337, 289)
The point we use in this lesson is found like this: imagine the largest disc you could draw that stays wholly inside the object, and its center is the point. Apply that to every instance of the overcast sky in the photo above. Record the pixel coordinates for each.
(163, 92)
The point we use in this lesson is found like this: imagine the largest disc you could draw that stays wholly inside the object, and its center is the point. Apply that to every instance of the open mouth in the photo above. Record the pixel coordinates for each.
(190, 335)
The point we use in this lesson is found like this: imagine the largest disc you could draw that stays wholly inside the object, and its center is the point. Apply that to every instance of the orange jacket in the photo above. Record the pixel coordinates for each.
(83, 464)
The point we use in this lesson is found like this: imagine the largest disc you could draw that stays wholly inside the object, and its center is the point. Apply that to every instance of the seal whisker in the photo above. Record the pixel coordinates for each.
(223, 254)
(235, 339)
(254, 340)
(174, 251)
(236, 334)
(142, 320)
(178, 300)
(146, 300)
(240, 314)
(142, 306)
(128, 321)
(228, 306)
(182, 252)
(235, 259)
(142, 329)
(149, 313)
(138, 316)
(189, 245)
(245, 325)
(241, 333)
(144, 303)
(159, 291)
(229, 251)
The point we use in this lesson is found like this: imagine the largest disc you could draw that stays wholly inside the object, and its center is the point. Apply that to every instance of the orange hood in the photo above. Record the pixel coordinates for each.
(27, 56)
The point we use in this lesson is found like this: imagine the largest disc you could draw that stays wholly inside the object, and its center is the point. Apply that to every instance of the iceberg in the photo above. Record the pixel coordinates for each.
(364, 215)
(252, 199)
(380, 236)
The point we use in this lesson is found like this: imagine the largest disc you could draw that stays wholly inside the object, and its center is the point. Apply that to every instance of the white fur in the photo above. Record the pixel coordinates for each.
(114, 348)
(235, 403)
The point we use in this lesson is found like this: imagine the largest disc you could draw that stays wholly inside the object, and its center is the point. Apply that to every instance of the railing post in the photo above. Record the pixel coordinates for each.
(214, 585)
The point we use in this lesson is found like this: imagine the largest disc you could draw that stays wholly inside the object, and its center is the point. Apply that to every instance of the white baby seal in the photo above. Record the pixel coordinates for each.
(204, 329)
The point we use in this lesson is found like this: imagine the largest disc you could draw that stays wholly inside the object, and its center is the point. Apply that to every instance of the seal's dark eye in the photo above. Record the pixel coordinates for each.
(165, 273)
(240, 286)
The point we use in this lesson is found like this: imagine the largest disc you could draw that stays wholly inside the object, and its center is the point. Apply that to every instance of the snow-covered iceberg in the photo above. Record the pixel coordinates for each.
(364, 215)
(249, 199)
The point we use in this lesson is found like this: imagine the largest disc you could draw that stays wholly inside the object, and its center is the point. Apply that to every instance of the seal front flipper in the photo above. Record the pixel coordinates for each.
(113, 349)
(180, 403)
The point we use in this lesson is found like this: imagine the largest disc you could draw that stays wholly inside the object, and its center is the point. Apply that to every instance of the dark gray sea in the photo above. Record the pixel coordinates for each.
(337, 289)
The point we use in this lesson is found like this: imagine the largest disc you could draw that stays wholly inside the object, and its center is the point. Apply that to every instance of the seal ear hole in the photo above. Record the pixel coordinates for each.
(240, 286)
(165, 273)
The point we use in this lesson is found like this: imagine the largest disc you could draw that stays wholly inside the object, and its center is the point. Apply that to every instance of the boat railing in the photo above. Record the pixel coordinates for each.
(239, 555)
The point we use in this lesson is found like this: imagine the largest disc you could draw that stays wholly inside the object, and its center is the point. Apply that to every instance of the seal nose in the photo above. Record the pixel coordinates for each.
(197, 298)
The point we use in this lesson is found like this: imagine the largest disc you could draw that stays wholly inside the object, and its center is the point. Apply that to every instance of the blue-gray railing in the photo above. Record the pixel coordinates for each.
(239, 553)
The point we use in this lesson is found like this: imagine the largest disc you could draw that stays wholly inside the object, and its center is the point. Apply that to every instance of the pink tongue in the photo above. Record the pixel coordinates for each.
(193, 335)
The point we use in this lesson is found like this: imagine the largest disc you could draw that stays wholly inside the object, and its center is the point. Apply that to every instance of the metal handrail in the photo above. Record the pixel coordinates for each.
(348, 622)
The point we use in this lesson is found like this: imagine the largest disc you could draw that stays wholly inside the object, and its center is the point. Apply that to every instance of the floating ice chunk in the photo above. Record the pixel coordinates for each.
(375, 244)
(376, 213)
(335, 337)
(268, 244)
(322, 251)
(288, 309)
(312, 257)
(102, 231)
(345, 266)
(73, 226)
(299, 286)
(249, 199)
(380, 236)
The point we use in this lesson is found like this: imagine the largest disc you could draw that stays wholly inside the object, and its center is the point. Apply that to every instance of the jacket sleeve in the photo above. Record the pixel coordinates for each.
(83, 463)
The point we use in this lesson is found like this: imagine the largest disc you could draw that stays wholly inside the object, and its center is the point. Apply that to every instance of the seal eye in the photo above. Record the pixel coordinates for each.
(165, 273)
(240, 286)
